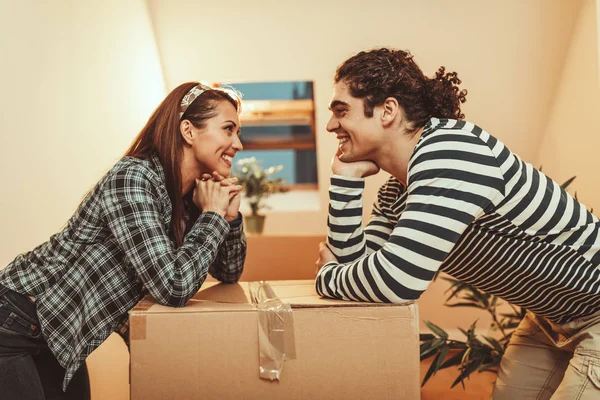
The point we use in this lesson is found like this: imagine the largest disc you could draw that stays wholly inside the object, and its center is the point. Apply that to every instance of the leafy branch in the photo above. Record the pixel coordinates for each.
(472, 354)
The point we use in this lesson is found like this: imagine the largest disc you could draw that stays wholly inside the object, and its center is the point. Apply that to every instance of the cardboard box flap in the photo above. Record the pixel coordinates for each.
(302, 294)
(212, 297)
(220, 297)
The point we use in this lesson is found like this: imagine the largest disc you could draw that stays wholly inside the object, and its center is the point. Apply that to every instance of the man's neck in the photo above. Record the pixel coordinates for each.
(394, 157)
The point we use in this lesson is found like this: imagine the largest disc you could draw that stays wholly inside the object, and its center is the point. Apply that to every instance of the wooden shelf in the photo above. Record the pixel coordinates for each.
(279, 144)
(277, 112)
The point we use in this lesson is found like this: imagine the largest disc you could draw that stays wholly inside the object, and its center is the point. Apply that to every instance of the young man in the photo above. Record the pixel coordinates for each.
(459, 201)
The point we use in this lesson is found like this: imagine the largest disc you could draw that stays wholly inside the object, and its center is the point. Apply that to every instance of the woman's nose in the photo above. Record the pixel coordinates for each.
(237, 144)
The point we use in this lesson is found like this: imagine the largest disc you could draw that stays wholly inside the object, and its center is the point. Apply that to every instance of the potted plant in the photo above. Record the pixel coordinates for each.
(258, 184)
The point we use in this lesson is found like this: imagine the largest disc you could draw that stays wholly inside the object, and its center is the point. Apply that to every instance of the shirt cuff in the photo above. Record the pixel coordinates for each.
(346, 178)
(236, 222)
(346, 182)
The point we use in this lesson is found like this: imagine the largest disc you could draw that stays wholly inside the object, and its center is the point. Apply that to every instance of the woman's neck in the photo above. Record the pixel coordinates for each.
(189, 173)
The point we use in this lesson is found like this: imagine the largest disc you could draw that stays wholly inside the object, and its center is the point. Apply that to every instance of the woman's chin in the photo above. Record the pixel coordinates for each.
(220, 169)
(224, 171)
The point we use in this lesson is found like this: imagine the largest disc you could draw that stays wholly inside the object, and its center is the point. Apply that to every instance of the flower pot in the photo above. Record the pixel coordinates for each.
(254, 223)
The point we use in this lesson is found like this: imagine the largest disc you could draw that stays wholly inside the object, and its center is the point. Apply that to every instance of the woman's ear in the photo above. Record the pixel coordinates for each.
(185, 128)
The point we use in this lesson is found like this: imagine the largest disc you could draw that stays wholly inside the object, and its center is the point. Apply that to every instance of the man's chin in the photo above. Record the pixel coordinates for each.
(345, 157)
(349, 157)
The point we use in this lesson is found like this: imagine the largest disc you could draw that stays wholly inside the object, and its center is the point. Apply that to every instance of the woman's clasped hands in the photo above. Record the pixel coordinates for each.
(219, 194)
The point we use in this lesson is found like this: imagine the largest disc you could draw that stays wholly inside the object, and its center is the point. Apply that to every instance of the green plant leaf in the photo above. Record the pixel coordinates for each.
(442, 356)
(455, 287)
(566, 184)
(432, 349)
(510, 315)
(439, 332)
(495, 344)
(465, 359)
(480, 297)
(472, 328)
(426, 336)
(454, 360)
(465, 373)
(433, 368)
(452, 280)
(425, 346)
(455, 344)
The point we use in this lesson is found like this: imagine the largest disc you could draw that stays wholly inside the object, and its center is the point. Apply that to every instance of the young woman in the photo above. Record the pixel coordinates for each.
(161, 219)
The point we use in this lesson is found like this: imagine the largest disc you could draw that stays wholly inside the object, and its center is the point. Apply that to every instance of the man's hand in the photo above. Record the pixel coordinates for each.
(325, 256)
(357, 169)
(234, 195)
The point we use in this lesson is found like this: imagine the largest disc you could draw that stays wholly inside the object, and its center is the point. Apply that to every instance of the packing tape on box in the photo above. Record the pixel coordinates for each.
(276, 340)
(137, 322)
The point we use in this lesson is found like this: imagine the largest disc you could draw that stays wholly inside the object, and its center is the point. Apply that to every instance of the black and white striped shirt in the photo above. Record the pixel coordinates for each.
(474, 210)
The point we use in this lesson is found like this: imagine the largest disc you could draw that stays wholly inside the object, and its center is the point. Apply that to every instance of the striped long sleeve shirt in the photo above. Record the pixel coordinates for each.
(474, 210)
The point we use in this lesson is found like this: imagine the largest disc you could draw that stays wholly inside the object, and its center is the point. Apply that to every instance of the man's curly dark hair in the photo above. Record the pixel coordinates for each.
(381, 73)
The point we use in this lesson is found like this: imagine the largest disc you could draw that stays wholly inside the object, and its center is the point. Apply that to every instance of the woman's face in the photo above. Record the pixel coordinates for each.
(215, 145)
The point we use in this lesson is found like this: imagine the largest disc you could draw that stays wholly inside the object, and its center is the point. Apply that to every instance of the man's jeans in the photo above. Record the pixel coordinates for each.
(28, 369)
(545, 360)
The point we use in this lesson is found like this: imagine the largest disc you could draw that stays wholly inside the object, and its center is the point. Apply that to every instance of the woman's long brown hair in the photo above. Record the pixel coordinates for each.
(161, 136)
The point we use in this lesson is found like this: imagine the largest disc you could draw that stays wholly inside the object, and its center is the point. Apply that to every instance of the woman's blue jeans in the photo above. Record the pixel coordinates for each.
(28, 369)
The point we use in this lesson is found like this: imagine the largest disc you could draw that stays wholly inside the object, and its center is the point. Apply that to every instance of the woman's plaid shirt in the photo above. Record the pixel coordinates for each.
(115, 249)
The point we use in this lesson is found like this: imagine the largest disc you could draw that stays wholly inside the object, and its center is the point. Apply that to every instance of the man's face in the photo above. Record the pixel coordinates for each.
(359, 136)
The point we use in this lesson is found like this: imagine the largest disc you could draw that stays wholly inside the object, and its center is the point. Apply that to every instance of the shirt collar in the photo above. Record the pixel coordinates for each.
(157, 166)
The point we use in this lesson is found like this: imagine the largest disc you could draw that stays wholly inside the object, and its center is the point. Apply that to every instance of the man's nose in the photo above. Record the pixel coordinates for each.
(332, 125)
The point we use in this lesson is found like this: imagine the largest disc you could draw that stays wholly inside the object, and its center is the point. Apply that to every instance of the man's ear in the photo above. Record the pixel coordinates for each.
(185, 128)
(391, 111)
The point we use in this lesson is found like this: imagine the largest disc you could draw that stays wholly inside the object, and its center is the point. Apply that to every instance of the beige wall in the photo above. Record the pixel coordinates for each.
(78, 79)
(572, 139)
(508, 53)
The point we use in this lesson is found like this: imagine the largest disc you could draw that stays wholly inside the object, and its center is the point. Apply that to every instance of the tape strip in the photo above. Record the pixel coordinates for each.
(137, 322)
(276, 340)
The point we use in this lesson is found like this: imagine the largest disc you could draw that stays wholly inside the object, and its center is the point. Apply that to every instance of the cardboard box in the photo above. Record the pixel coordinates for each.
(210, 348)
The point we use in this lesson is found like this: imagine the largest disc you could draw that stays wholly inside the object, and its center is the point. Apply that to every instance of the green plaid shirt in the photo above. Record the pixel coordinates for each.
(114, 250)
